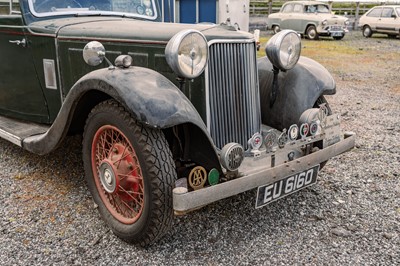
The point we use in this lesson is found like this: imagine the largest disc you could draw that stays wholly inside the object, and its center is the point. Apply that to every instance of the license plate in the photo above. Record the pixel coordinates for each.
(336, 34)
(290, 184)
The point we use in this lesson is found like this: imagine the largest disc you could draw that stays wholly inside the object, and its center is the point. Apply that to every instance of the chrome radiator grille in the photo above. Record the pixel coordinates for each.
(234, 105)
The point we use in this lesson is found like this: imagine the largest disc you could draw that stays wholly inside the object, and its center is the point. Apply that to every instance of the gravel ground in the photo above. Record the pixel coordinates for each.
(350, 217)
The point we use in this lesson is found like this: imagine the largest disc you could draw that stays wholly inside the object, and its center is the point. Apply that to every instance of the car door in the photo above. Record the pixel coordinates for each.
(298, 20)
(286, 16)
(21, 95)
(388, 20)
(373, 17)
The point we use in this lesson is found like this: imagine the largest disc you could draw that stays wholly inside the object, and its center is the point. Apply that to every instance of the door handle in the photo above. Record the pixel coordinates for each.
(19, 42)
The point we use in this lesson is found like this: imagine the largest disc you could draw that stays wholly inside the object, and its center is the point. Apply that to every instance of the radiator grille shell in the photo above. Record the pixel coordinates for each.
(233, 113)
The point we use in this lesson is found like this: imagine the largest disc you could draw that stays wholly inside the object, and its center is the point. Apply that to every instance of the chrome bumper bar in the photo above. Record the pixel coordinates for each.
(186, 201)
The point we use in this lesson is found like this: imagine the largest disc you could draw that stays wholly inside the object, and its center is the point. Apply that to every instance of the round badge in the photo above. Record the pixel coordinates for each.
(270, 139)
(283, 138)
(313, 128)
(322, 114)
(197, 177)
(293, 132)
(304, 129)
(256, 141)
(213, 177)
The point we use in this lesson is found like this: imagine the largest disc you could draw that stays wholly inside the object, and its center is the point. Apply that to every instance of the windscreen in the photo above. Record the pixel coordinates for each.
(130, 8)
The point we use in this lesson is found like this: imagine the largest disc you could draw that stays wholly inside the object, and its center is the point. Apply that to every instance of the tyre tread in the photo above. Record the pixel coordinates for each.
(159, 164)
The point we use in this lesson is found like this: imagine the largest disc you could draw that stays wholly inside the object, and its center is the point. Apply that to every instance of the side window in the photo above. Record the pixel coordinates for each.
(376, 12)
(311, 9)
(298, 8)
(323, 9)
(387, 12)
(288, 9)
(398, 11)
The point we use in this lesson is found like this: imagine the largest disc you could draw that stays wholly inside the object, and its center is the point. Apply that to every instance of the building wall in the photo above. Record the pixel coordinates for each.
(202, 11)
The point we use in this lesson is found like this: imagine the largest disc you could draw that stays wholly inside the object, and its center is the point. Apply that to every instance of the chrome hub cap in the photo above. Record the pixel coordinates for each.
(107, 177)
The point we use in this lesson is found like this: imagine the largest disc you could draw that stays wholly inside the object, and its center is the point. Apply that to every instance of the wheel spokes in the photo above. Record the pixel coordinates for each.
(111, 147)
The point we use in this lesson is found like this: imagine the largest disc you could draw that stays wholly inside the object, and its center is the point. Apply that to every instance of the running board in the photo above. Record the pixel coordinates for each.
(15, 131)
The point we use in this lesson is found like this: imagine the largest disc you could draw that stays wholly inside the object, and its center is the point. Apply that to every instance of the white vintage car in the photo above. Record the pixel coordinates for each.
(309, 18)
(381, 19)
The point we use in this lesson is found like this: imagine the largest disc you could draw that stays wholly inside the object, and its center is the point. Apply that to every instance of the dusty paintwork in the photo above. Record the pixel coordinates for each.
(156, 142)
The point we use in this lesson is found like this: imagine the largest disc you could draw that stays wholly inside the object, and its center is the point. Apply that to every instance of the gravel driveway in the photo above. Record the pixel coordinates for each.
(350, 217)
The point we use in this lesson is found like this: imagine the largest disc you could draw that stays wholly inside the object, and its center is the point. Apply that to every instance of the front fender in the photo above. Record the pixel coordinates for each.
(152, 99)
(299, 89)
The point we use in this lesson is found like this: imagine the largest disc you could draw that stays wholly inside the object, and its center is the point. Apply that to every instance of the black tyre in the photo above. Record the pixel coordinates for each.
(276, 29)
(367, 32)
(311, 33)
(130, 173)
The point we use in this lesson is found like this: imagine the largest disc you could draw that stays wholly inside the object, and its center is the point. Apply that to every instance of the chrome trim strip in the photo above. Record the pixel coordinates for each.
(73, 12)
(10, 137)
(184, 202)
(231, 41)
(111, 40)
(59, 70)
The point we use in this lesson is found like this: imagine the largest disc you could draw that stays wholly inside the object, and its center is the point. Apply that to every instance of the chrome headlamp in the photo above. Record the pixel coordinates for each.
(324, 22)
(347, 22)
(187, 53)
(283, 49)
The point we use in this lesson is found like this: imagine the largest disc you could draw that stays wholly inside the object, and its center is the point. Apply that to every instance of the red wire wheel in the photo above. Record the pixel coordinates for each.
(117, 174)
(130, 173)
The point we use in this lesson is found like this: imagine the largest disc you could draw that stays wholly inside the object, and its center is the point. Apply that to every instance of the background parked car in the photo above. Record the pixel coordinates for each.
(381, 19)
(309, 18)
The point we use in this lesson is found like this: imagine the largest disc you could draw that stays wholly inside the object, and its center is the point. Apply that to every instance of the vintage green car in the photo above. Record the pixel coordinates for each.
(309, 18)
(173, 116)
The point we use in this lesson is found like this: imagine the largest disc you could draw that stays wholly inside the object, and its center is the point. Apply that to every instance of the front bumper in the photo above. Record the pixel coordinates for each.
(332, 31)
(184, 201)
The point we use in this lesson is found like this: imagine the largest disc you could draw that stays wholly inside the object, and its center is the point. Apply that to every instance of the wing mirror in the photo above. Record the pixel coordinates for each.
(94, 53)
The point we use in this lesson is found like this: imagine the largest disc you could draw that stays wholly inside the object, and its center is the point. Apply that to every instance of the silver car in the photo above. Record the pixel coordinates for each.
(381, 19)
(309, 18)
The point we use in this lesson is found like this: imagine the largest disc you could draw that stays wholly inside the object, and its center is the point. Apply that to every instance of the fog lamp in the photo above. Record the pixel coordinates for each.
(232, 155)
